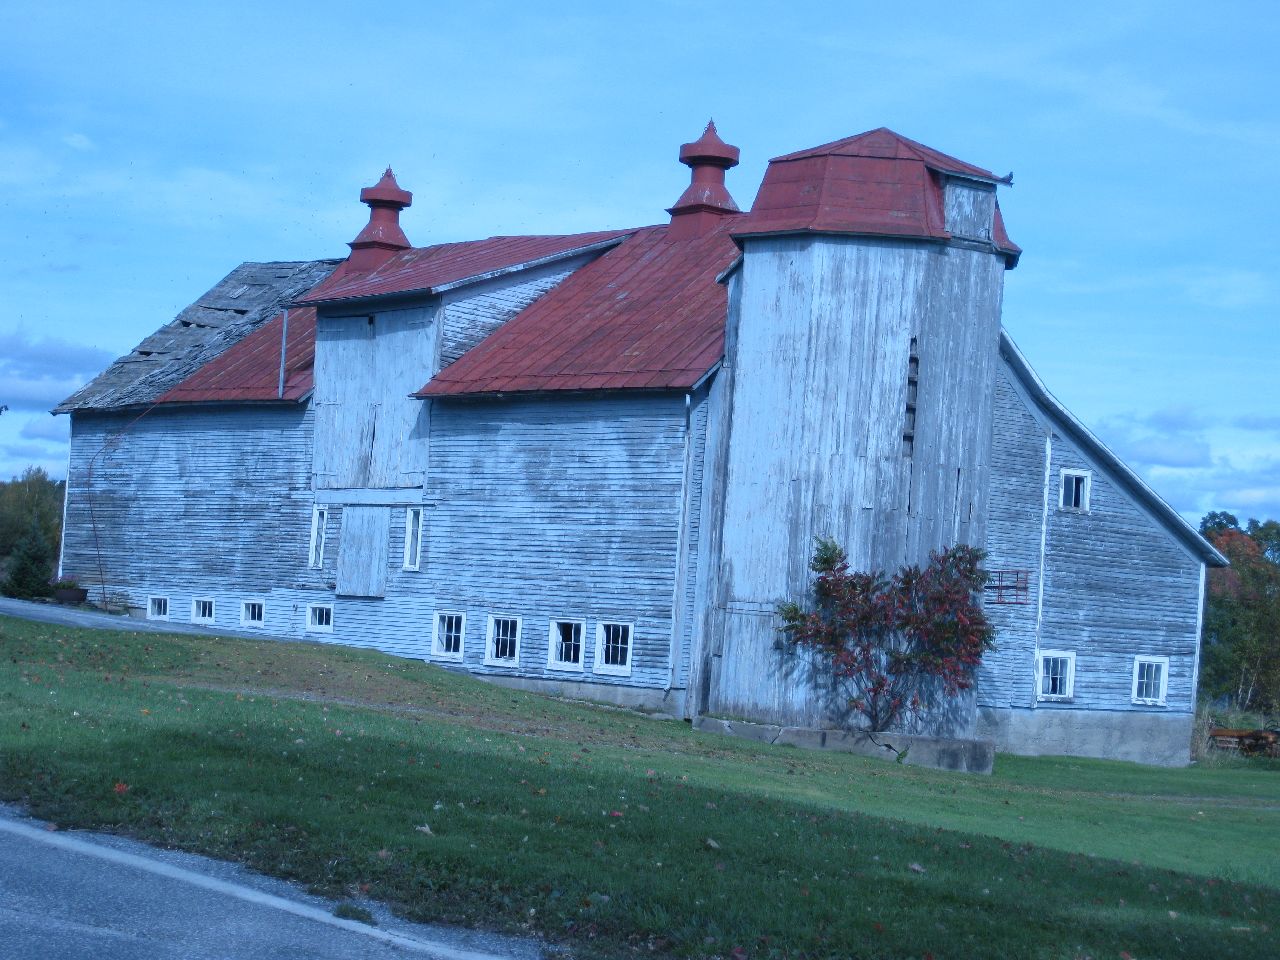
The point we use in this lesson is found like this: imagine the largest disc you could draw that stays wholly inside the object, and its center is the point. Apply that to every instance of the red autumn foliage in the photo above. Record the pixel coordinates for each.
(894, 643)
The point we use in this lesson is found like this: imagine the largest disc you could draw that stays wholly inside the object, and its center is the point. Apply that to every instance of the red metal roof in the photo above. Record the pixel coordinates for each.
(424, 268)
(648, 314)
(878, 183)
(250, 370)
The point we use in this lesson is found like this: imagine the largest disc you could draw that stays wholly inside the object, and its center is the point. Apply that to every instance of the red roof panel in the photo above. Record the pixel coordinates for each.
(648, 314)
(423, 268)
(250, 370)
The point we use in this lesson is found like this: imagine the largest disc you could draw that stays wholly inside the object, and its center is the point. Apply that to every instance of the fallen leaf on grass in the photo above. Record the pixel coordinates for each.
(711, 844)
(916, 868)
(424, 828)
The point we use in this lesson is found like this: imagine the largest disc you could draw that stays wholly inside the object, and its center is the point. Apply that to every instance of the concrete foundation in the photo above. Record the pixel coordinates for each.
(940, 753)
(1162, 739)
(665, 703)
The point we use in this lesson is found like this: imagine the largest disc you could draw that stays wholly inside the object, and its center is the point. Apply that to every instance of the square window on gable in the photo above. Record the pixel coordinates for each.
(1074, 491)
(1150, 680)
(564, 645)
(1055, 675)
(613, 648)
(202, 610)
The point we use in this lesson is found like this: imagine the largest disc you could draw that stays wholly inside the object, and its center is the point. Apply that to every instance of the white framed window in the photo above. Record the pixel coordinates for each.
(319, 525)
(319, 618)
(253, 613)
(157, 608)
(1055, 675)
(412, 538)
(202, 610)
(564, 644)
(1150, 679)
(1073, 490)
(613, 648)
(502, 641)
(448, 635)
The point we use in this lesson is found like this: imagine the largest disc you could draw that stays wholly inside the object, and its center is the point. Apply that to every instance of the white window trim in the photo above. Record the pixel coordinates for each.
(436, 651)
(1070, 657)
(312, 627)
(152, 615)
(412, 561)
(319, 525)
(213, 607)
(553, 644)
(244, 620)
(1086, 493)
(609, 669)
(1164, 680)
(489, 658)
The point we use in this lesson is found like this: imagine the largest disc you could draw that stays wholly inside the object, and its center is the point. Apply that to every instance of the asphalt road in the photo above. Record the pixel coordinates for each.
(82, 896)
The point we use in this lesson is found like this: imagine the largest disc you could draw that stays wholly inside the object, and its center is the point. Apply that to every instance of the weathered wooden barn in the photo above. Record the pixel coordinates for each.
(593, 464)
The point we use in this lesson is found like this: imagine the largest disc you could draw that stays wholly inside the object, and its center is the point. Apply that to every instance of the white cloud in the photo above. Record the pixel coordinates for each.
(78, 141)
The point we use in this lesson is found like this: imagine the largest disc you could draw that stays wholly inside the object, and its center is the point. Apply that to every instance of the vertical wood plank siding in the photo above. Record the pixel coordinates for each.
(818, 360)
(1116, 582)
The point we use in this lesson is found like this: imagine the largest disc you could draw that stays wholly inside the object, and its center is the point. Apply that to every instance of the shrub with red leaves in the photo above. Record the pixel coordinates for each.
(894, 643)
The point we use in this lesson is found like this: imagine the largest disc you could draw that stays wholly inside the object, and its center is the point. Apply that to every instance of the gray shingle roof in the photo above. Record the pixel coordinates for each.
(245, 299)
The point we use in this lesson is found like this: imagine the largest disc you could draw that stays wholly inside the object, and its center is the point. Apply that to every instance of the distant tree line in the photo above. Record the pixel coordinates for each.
(30, 532)
(1240, 659)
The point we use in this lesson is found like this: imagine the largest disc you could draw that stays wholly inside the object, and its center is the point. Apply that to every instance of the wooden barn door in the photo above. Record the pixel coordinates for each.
(362, 552)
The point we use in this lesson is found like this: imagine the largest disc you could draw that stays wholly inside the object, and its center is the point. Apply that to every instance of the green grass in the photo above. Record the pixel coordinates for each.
(619, 835)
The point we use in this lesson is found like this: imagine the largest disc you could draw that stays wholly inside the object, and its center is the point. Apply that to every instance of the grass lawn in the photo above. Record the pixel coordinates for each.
(613, 834)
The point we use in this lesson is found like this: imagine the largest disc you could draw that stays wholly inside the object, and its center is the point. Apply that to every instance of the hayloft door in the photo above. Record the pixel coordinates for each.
(362, 552)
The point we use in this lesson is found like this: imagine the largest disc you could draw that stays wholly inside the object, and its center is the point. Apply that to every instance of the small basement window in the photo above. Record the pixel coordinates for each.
(253, 613)
(320, 618)
(319, 521)
(157, 608)
(1150, 680)
(1075, 491)
(412, 538)
(613, 648)
(202, 610)
(564, 645)
(1008, 586)
(446, 638)
(1056, 675)
(502, 644)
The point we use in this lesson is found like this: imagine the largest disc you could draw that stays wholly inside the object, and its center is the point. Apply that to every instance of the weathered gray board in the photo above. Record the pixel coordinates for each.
(362, 554)
(1106, 585)
(818, 367)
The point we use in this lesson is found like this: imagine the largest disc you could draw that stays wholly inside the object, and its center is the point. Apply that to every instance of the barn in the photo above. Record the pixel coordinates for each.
(593, 464)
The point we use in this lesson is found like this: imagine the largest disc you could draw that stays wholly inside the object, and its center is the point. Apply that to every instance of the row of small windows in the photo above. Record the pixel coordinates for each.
(412, 559)
(1056, 677)
(565, 649)
(565, 642)
(253, 613)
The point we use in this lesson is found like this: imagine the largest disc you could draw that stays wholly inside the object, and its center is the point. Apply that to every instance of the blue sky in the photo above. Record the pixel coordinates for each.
(145, 150)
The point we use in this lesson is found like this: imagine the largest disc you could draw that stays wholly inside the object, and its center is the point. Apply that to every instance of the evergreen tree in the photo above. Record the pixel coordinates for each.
(30, 567)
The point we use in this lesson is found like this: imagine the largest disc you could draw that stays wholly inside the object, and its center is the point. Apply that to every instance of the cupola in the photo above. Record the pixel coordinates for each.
(706, 200)
(382, 237)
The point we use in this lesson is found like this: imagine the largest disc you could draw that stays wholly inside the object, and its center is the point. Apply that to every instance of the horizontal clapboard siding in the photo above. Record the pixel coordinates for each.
(1013, 543)
(558, 508)
(208, 502)
(1117, 584)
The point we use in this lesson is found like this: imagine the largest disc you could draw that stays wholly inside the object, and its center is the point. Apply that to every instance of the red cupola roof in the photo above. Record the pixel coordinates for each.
(381, 236)
(706, 200)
